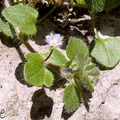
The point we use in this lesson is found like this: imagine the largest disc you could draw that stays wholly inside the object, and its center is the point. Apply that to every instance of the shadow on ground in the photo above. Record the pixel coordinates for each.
(65, 114)
(19, 72)
(42, 105)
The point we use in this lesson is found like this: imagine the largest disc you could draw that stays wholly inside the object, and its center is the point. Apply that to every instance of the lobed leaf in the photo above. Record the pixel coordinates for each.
(48, 78)
(35, 73)
(23, 17)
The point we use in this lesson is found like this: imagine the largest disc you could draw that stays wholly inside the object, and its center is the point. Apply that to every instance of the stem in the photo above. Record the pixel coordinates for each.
(94, 25)
(24, 39)
(49, 55)
(41, 19)
(29, 47)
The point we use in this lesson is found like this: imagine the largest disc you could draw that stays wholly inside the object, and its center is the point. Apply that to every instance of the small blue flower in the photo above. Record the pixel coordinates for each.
(54, 40)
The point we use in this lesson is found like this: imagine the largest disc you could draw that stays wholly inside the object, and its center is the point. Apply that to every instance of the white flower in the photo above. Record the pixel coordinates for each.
(54, 40)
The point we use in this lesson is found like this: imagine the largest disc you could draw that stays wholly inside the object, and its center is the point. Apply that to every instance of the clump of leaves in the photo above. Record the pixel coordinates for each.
(18, 22)
(84, 75)
(78, 59)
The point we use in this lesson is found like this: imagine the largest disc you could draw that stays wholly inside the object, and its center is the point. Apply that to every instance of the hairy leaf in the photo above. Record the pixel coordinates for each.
(88, 76)
(107, 51)
(97, 5)
(82, 2)
(48, 78)
(5, 28)
(23, 17)
(93, 72)
(77, 49)
(57, 58)
(71, 98)
(35, 73)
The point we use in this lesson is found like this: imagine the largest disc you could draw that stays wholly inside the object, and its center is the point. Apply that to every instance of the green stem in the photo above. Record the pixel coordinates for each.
(24, 39)
(29, 47)
(93, 20)
(49, 55)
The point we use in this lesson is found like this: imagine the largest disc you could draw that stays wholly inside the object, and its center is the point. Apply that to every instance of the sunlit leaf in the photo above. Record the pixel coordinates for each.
(48, 78)
(22, 16)
(35, 73)
(107, 51)
(57, 58)
(77, 49)
(5, 28)
(82, 3)
(71, 98)
(97, 5)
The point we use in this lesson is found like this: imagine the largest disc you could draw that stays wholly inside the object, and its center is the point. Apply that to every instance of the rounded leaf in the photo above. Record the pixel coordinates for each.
(77, 49)
(107, 51)
(22, 16)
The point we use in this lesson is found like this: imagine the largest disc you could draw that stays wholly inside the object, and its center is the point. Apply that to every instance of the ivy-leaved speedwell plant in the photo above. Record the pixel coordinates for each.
(84, 73)
(18, 23)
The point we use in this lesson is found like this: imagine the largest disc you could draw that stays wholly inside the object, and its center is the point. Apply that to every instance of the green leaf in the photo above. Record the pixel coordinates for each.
(35, 73)
(107, 51)
(57, 58)
(93, 72)
(97, 5)
(5, 28)
(71, 98)
(87, 77)
(111, 4)
(82, 2)
(48, 78)
(90, 75)
(77, 49)
(23, 17)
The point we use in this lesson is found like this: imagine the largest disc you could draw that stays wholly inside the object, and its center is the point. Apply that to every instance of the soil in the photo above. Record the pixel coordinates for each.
(20, 101)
